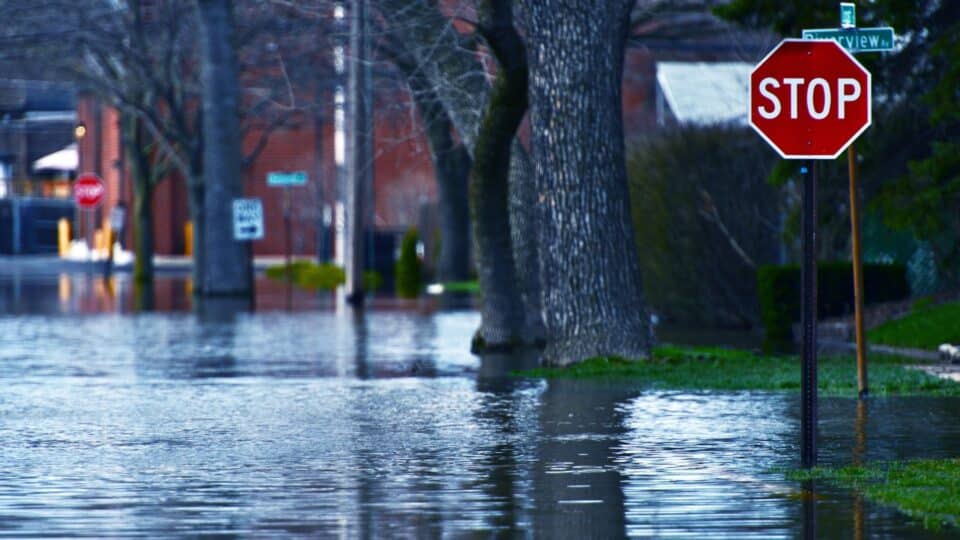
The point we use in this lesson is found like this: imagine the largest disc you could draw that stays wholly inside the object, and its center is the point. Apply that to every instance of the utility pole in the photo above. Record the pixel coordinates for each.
(359, 162)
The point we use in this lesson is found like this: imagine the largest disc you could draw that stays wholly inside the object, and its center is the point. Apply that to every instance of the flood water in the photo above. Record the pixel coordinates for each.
(321, 423)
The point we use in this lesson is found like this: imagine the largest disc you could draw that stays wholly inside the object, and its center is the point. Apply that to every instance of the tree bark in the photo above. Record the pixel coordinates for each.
(502, 321)
(526, 248)
(138, 159)
(223, 260)
(592, 293)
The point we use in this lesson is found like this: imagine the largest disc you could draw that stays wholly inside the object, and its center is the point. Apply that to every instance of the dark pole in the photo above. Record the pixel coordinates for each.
(287, 249)
(808, 318)
(857, 260)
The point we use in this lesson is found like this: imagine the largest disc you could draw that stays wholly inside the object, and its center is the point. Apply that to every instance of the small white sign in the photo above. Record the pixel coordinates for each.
(247, 219)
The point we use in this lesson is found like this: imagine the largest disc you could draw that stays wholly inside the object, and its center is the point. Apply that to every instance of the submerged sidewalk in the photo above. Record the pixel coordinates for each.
(163, 264)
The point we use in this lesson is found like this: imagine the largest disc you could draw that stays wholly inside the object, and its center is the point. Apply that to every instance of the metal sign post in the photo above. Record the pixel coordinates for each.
(286, 180)
(808, 317)
(810, 99)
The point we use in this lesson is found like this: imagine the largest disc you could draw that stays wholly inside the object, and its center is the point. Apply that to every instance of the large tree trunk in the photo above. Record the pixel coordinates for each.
(449, 63)
(226, 268)
(502, 321)
(143, 233)
(592, 293)
(141, 172)
(526, 249)
(195, 199)
(451, 164)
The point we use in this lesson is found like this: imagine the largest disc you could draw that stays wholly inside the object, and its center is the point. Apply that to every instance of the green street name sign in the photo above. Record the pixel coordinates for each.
(297, 178)
(856, 39)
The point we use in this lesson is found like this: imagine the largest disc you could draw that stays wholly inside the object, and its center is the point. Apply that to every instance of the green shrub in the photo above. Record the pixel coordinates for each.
(409, 272)
(372, 281)
(309, 275)
(779, 290)
(692, 190)
(321, 276)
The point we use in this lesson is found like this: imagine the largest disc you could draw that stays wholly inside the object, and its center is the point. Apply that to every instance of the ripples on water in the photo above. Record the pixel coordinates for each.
(320, 423)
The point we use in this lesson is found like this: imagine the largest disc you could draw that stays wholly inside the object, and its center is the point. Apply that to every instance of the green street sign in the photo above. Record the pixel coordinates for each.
(297, 178)
(848, 15)
(856, 40)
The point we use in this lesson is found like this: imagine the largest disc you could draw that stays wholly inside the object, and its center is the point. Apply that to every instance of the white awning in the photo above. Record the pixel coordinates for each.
(704, 93)
(65, 159)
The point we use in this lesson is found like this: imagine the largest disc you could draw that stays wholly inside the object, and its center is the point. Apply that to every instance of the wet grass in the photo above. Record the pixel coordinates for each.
(682, 368)
(927, 490)
(462, 286)
(925, 328)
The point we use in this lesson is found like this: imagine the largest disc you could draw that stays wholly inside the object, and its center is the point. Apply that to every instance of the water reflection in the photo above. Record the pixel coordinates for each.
(379, 422)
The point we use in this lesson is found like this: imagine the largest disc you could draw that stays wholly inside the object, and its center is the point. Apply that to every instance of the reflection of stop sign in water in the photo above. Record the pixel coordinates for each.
(88, 191)
(809, 99)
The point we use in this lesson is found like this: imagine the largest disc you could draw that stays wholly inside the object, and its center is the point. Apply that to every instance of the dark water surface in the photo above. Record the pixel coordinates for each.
(325, 424)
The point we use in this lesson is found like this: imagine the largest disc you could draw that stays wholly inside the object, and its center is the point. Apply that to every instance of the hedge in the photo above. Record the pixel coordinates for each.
(408, 267)
(779, 291)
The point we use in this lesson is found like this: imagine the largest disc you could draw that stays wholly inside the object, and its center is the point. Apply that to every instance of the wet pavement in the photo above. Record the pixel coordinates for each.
(319, 422)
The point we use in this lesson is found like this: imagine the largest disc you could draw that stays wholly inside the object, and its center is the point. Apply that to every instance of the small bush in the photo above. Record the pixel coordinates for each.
(309, 275)
(409, 271)
(372, 281)
(779, 291)
(322, 276)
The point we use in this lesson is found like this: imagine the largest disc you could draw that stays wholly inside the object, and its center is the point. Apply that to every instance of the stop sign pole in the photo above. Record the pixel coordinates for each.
(809, 99)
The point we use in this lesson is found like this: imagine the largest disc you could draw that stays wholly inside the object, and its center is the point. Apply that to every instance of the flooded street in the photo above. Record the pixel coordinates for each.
(322, 423)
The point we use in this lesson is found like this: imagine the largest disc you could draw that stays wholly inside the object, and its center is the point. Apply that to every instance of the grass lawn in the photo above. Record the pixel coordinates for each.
(925, 328)
(928, 490)
(684, 368)
(462, 286)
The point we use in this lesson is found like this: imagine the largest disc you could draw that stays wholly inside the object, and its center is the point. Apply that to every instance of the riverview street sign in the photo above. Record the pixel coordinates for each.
(809, 99)
(297, 178)
(88, 191)
(856, 40)
(247, 219)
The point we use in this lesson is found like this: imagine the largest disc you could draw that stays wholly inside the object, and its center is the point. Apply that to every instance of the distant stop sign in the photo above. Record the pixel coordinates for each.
(88, 191)
(809, 99)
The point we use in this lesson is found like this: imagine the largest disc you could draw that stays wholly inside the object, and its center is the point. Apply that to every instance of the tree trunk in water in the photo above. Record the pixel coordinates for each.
(195, 195)
(225, 261)
(526, 250)
(451, 164)
(141, 172)
(592, 294)
(454, 74)
(143, 234)
(502, 309)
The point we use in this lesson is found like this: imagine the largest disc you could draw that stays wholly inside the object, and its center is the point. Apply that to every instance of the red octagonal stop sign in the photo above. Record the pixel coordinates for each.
(809, 99)
(88, 191)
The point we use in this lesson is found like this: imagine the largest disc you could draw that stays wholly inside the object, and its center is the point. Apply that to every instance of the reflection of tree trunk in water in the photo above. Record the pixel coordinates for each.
(360, 337)
(221, 309)
(501, 407)
(580, 426)
(144, 296)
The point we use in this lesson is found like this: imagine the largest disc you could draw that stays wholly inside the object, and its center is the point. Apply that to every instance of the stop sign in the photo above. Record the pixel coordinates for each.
(88, 191)
(809, 99)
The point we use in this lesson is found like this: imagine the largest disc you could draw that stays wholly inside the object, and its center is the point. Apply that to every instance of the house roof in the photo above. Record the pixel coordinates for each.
(705, 92)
